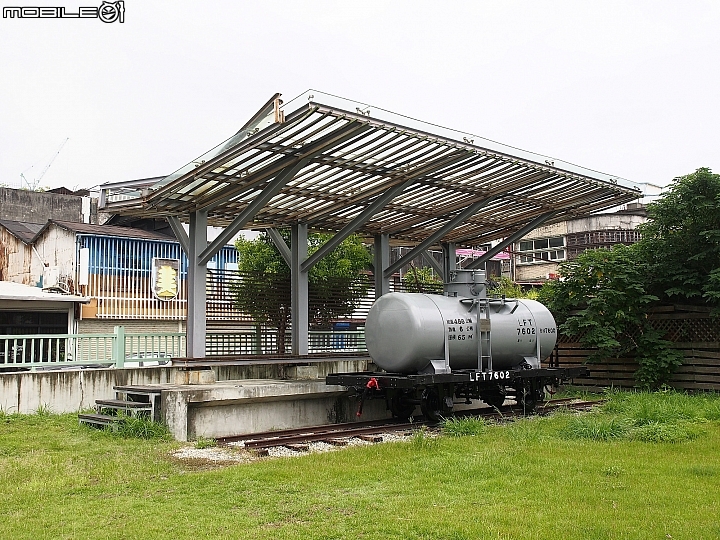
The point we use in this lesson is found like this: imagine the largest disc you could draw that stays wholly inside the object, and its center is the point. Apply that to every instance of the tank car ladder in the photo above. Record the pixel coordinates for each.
(483, 334)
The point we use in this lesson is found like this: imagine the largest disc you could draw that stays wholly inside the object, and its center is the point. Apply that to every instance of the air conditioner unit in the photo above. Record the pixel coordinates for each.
(51, 277)
(53, 280)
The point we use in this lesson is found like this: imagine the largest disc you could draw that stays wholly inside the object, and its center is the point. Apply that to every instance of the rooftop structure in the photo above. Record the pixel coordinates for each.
(323, 163)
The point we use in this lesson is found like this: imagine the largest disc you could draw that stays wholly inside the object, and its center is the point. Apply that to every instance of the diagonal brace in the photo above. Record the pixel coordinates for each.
(437, 235)
(374, 207)
(510, 239)
(257, 204)
(435, 265)
(280, 244)
(351, 227)
(180, 233)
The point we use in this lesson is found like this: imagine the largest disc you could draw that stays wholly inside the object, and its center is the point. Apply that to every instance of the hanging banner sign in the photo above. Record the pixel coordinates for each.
(165, 278)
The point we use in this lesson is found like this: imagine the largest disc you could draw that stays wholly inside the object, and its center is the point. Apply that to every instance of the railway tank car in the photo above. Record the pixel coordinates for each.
(437, 349)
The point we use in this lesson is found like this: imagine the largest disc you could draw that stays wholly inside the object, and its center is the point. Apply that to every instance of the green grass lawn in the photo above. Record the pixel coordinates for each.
(645, 466)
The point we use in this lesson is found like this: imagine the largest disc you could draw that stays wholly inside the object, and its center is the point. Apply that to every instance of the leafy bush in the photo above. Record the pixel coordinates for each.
(504, 286)
(604, 295)
(603, 299)
(681, 241)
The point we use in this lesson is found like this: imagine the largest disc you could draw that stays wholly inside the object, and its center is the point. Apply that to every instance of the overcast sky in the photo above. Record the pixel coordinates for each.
(628, 88)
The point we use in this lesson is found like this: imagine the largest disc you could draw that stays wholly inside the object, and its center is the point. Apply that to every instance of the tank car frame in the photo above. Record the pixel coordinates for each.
(437, 393)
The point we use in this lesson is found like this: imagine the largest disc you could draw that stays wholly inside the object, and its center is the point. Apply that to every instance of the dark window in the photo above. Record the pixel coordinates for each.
(33, 322)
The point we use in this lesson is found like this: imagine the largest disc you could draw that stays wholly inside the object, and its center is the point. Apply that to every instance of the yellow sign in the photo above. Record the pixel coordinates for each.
(165, 276)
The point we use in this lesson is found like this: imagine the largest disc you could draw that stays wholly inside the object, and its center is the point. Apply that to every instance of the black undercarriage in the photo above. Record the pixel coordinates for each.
(437, 393)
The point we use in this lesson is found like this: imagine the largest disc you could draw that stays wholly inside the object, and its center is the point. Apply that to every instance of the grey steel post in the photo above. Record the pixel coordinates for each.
(299, 290)
(196, 316)
(449, 260)
(382, 261)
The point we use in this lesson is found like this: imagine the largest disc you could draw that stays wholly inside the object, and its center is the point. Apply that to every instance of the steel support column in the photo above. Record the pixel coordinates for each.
(382, 261)
(299, 289)
(449, 260)
(196, 306)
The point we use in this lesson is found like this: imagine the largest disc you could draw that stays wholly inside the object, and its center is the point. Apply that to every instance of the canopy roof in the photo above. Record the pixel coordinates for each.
(336, 163)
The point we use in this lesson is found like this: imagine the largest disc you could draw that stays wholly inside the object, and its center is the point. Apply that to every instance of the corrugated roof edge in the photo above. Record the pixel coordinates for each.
(103, 230)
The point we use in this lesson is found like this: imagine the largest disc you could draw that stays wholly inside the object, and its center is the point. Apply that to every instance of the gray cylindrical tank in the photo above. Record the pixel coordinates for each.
(405, 331)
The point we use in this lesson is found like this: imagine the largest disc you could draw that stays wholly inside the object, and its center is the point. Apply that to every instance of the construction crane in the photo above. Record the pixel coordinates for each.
(35, 183)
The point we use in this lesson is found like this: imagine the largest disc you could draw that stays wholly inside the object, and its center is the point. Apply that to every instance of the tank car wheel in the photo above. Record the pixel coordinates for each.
(400, 407)
(494, 399)
(430, 404)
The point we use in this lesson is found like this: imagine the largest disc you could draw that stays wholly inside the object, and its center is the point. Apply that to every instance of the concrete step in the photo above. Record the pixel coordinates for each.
(97, 420)
(147, 395)
(122, 404)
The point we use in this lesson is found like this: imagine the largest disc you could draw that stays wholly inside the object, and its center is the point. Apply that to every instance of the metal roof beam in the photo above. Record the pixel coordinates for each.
(374, 208)
(338, 136)
(510, 239)
(437, 235)
(272, 189)
(351, 227)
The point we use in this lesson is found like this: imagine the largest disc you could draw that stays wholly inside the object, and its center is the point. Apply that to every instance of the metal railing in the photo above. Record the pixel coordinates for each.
(55, 351)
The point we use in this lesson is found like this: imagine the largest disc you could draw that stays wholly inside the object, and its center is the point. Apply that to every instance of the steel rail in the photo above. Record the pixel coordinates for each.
(327, 432)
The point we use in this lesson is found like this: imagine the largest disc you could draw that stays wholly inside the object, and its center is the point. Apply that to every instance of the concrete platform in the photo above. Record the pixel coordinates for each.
(245, 406)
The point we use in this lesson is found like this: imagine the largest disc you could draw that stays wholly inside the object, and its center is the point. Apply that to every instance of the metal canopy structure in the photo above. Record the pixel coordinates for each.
(328, 168)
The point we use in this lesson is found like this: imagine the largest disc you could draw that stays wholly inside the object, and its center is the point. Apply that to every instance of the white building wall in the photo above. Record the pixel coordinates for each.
(15, 259)
(57, 250)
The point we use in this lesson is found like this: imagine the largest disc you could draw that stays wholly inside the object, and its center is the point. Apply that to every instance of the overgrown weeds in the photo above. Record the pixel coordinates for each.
(422, 439)
(460, 427)
(139, 428)
(204, 442)
(656, 417)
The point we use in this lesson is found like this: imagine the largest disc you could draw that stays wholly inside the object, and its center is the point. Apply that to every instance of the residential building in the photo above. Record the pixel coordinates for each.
(537, 256)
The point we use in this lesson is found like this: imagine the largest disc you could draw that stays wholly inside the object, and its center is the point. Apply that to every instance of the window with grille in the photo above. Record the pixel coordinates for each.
(542, 250)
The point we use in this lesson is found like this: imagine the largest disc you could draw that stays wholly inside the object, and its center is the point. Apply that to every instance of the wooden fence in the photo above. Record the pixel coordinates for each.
(691, 330)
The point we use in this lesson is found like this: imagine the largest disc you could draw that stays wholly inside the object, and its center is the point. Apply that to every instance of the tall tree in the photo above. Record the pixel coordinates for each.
(681, 241)
(334, 284)
(604, 294)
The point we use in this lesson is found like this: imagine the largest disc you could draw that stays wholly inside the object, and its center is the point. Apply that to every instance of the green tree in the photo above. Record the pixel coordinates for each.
(603, 298)
(334, 287)
(422, 280)
(681, 241)
(504, 286)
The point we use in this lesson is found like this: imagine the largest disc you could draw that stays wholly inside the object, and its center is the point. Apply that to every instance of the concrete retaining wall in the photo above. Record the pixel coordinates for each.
(75, 390)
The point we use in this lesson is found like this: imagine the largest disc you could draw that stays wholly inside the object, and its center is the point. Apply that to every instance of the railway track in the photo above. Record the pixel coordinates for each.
(339, 434)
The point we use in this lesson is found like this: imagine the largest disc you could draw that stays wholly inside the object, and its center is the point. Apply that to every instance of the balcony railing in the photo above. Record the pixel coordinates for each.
(58, 351)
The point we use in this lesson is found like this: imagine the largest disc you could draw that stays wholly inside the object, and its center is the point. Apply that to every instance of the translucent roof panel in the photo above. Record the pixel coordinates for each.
(323, 160)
